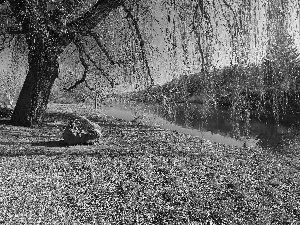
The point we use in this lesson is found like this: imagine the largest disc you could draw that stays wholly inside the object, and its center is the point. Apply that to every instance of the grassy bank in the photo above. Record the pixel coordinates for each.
(140, 174)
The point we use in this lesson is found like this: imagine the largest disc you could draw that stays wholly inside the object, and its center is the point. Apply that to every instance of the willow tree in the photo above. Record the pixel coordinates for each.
(49, 29)
(282, 52)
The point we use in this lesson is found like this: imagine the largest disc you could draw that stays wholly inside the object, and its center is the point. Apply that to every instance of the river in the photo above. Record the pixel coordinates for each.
(215, 125)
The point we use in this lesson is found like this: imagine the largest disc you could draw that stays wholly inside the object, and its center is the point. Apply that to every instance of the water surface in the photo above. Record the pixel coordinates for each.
(215, 125)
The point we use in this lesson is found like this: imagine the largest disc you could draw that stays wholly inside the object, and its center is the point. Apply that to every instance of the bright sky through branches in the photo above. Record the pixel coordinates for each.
(223, 50)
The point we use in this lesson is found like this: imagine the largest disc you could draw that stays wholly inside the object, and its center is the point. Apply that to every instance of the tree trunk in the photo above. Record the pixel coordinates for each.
(43, 70)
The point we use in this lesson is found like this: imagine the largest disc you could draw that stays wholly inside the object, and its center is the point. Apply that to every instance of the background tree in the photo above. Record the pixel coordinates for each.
(281, 54)
(282, 61)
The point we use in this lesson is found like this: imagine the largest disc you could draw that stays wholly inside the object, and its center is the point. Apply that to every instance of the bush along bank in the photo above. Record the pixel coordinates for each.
(270, 103)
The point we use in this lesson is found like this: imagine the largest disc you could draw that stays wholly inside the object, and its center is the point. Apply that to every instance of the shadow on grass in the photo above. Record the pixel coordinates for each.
(32, 153)
(5, 122)
(12, 143)
(57, 147)
(60, 143)
(94, 151)
(50, 144)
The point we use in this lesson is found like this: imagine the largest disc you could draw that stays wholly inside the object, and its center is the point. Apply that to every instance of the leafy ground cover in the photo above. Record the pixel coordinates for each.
(140, 174)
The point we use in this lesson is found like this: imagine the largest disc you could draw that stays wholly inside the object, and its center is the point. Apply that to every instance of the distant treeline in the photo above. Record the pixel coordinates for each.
(252, 87)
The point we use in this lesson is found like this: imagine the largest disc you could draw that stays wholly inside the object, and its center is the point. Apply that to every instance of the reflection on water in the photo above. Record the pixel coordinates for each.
(214, 125)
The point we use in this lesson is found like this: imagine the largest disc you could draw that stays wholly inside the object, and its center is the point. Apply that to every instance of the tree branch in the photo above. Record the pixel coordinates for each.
(8, 25)
(6, 41)
(13, 31)
(91, 18)
(141, 41)
(200, 50)
(234, 16)
(111, 81)
(82, 51)
(80, 47)
(63, 57)
(97, 39)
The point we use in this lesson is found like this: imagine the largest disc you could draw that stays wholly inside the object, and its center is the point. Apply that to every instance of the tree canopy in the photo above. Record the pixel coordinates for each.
(52, 27)
(112, 38)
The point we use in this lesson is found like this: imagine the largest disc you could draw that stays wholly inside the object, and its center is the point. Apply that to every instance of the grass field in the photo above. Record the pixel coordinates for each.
(139, 174)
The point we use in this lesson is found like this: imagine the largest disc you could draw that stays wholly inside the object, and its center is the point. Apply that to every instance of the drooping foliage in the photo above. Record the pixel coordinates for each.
(105, 43)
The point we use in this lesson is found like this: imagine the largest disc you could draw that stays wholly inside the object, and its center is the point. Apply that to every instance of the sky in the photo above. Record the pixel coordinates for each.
(223, 51)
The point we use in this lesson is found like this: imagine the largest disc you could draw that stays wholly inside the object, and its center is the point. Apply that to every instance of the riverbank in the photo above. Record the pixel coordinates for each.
(140, 174)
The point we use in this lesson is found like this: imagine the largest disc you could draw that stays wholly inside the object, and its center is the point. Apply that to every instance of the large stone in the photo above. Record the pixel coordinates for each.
(81, 131)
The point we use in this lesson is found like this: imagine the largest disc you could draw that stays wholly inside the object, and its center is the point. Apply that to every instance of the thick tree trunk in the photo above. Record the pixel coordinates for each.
(34, 96)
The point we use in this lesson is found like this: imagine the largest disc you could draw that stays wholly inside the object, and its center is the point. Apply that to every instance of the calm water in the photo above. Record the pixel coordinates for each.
(215, 125)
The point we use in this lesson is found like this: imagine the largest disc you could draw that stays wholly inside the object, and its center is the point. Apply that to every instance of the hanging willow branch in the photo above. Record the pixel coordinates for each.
(234, 17)
(96, 37)
(80, 49)
(111, 81)
(198, 6)
(83, 52)
(200, 49)
(141, 41)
